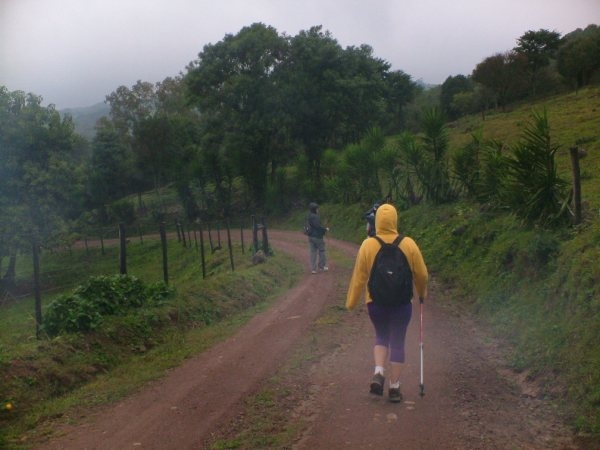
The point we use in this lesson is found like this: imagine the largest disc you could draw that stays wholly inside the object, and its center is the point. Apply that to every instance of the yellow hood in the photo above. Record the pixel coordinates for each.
(386, 226)
(386, 220)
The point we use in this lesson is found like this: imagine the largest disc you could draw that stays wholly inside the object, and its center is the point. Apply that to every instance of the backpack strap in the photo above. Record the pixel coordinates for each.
(379, 240)
(396, 241)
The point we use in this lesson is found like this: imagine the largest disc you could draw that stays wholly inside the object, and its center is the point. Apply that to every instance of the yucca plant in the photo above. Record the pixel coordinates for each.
(534, 190)
(435, 172)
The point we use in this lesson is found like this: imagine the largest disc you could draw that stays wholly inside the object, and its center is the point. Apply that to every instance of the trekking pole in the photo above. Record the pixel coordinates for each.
(421, 385)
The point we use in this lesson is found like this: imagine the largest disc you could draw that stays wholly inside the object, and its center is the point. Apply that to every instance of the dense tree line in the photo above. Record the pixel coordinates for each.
(542, 63)
(262, 121)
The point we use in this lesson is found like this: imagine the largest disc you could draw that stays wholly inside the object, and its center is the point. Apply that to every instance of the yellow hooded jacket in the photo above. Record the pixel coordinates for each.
(386, 224)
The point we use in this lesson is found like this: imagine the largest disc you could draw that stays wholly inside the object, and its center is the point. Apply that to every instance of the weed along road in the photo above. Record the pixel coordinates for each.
(306, 346)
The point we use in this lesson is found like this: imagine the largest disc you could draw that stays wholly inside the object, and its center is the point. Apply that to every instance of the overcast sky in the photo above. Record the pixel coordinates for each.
(75, 52)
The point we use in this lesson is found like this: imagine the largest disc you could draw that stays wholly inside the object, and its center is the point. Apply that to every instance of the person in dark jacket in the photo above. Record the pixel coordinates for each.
(370, 217)
(318, 258)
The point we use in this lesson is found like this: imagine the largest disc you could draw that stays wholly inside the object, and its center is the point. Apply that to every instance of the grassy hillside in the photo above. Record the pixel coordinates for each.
(540, 289)
(574, 120)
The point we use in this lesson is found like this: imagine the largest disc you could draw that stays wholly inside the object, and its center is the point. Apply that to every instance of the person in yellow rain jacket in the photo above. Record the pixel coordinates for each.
(389, 321)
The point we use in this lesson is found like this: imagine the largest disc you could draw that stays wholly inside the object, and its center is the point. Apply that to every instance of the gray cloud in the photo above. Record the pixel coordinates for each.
(74, 52)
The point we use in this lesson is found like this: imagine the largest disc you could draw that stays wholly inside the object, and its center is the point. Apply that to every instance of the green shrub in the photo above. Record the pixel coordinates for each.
(85, 309)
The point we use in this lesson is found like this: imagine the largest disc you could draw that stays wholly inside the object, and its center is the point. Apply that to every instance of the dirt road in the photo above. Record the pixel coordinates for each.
(472, 401)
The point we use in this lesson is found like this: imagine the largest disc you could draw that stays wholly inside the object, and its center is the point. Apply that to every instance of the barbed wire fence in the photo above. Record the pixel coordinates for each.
(202, 237)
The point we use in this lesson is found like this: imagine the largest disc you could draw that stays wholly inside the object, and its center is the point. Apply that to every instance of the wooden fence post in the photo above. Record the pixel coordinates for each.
(254, 234)
(242, 237)
(182, 235)
(229, 245)
(202, 259)
(177, 226)
(36, 287)
(122, 250)
(210, 242)
(576, 184)
(265, 238)
(163, 242)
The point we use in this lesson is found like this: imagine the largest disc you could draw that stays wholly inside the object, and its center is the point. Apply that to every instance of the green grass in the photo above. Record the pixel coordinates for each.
(49, 378)
(574, 119)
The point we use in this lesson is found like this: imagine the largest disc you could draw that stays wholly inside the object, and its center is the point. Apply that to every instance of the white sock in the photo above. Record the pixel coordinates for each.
(379, 369)
(395, 385)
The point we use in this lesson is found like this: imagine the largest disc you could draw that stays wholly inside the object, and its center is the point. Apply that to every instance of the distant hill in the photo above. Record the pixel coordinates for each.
(85, 118)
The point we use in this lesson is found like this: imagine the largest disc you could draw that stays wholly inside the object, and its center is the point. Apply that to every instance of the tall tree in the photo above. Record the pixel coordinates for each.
(539, 47)
(504, 74)
(39, 180)
(400, 91)
(129, 106)
(232, 83)
(112, 166)
(334, 96)
(451, 87)
(578, 57)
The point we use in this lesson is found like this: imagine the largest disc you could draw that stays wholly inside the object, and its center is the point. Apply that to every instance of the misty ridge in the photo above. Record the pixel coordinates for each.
(85, 118)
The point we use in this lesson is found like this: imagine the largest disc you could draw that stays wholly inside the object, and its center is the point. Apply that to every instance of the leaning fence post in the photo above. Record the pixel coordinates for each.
(36, 287)
(182, 235)
(122, 250)
(265, 241)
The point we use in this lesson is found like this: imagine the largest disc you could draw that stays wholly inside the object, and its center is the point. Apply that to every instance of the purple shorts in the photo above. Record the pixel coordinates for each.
(391, 323)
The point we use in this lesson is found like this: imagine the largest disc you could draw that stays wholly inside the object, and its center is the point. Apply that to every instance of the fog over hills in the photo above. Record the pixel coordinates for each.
(85, 118)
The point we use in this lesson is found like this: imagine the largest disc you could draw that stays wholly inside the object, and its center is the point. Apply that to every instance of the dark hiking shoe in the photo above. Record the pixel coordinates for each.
(395, 395)
(377, 384)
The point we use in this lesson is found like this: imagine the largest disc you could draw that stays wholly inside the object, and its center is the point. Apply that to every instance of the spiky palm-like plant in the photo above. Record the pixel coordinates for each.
(534, 190)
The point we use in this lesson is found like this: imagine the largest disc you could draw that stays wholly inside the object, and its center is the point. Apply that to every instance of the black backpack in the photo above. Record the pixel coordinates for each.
(306, 227)
(390, 281)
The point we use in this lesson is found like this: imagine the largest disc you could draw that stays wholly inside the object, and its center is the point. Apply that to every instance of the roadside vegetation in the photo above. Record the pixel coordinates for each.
(108, 336)
(481, 169)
